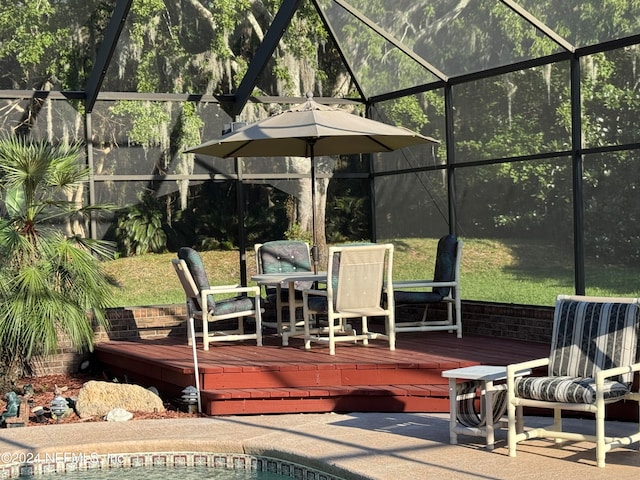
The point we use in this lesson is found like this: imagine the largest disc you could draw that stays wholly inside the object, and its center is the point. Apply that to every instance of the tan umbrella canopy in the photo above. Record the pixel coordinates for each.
(311, 129)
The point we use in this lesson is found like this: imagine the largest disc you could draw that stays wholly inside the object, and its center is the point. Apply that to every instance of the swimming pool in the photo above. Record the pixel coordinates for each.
(165, 466)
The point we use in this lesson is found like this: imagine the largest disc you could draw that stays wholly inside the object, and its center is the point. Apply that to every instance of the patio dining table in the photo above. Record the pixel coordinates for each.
(290, 278)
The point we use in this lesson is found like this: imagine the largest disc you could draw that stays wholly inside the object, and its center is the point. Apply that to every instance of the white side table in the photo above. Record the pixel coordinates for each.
(462, 395)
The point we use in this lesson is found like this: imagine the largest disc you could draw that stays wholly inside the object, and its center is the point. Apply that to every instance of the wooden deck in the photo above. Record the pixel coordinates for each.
(241, 378)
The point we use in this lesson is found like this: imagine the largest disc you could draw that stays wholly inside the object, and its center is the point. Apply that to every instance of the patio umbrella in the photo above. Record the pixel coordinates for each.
(311, 129)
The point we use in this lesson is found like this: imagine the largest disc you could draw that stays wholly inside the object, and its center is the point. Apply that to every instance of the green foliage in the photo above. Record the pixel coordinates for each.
(49, 282)
(407, 112)
(205, 47)
(45, 43)
(30, 37)
(139, 228)
(147, 8)
(347, 220)
(611, 187)
(305, 33)
(189, 125)
(297, 233)
(349, 212)
(149, 121)
(211, 219)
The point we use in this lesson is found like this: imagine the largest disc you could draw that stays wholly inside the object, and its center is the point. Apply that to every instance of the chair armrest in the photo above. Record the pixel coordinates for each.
(612, 372)
(528, 365)
(230, 289)
(411, 283)
(421, 283)
(218, 287)
(311, 291)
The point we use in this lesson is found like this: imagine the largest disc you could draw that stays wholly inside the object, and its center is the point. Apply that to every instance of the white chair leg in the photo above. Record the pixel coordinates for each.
(332, 340)
(511, 423)
(258, 319)
(458, 314)
(601, 450)
(190, 331)
(307, 335)
(365, 331)
(557, 423)
(205, 333)
(391, 332)
(450, 315)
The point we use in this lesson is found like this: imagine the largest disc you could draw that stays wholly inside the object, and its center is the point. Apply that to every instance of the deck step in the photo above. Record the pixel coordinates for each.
(319, 376)
(242, 378)
(390, 398)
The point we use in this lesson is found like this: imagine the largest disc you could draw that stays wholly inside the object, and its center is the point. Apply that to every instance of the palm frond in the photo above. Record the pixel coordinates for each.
(51, 285)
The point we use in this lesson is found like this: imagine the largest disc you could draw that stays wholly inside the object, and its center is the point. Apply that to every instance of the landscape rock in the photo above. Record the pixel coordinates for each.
(118, 415)
(99, 398)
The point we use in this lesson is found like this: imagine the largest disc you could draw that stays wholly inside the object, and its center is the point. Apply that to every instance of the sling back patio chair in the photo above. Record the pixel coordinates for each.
(202, 304)
(444, 287)
(357, 277)
(591, 364)
(283, 256)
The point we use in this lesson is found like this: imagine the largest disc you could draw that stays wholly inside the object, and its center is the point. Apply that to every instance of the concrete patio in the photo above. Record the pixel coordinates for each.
(354, 446)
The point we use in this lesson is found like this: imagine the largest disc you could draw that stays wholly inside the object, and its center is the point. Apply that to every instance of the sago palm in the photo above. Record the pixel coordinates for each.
(51, 280)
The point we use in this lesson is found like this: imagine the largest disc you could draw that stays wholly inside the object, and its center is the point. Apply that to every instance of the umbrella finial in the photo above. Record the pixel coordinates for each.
(308, 105)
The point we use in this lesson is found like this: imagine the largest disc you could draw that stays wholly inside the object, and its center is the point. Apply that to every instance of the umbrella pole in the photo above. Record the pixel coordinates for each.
(314, 246)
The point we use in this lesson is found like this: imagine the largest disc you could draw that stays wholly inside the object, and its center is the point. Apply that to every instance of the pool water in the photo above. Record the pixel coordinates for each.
(168, 473)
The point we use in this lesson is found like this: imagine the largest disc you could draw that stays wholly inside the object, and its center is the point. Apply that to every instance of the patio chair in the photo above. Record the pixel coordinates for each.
(444, 287)
(591, 364)
(357, 276)
(283, 256)
(193, 278)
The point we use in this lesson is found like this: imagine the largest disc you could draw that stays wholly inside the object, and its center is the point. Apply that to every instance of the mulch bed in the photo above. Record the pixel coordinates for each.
(44, 389)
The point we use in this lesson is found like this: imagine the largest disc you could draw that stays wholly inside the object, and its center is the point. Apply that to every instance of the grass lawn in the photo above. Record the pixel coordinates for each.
(497, 271)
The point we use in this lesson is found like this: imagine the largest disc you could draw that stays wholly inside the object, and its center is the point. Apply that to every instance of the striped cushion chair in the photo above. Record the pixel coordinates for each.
(592, 363)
